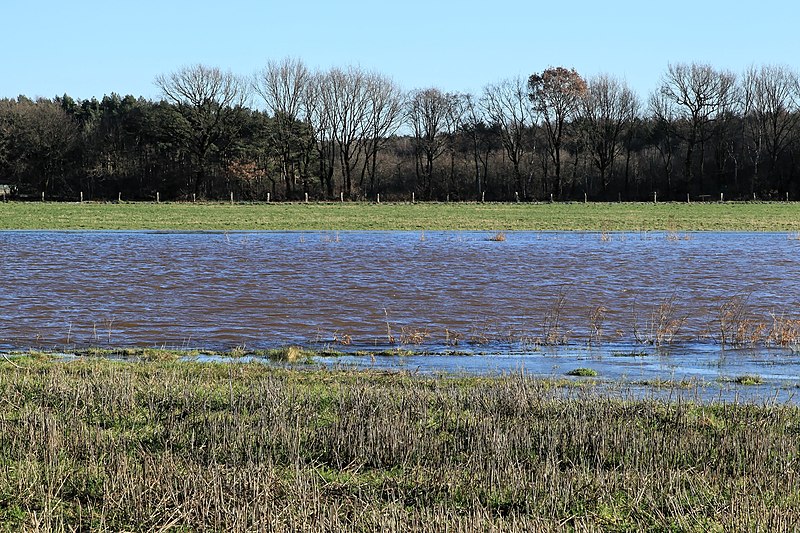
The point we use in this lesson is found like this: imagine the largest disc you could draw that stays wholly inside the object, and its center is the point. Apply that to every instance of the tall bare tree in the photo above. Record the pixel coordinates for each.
(475, 127)
(771, 101)
(384, 117)
(284, 87)
(346, 104)
(210, 103)
(322, 131)
(430, 115)
(660, 131)
(508, 106)
(608, 107)
(698, 95)
(556, 94)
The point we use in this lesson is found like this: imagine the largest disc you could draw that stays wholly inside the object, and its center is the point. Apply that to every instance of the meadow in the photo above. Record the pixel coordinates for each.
(102, 443)
(112, 445)
(728, 216)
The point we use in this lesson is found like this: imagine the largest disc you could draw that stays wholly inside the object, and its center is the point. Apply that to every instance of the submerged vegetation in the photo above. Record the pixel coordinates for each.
(99, 444)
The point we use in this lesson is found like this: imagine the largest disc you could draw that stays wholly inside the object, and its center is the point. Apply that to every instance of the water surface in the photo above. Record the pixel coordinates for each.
(438, 292)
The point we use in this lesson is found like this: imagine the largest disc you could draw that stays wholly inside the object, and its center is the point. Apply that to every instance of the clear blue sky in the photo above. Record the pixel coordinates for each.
(91, 48)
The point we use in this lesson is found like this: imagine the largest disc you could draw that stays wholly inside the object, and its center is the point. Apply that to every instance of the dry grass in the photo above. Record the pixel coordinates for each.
(288, 354)
(95, 445)
(662, 326)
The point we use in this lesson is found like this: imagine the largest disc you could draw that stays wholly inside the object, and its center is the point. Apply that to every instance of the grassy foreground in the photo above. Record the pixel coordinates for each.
(97, 444)
(404, 216)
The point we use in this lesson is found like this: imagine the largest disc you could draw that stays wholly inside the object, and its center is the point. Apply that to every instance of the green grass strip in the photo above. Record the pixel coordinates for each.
(404, 216)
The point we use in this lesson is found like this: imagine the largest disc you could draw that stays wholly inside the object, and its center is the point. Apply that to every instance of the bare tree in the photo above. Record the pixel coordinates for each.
(508, 106)
(556, 94)
(608, 107)
(320, 118)
(384, 117)
(284, 87)
(698, 95)
(474, 125)
(771, 101)
(661, 135)
(346, 104)
(210, 103)
(430, 114)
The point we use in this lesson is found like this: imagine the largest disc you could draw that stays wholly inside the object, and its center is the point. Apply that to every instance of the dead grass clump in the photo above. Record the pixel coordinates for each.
(553, 331)
(412, 335)
(452, 338)
(662, 326)
(596, 320)
(289, 354)
(342, 338)
(785, 332)
(735, 326)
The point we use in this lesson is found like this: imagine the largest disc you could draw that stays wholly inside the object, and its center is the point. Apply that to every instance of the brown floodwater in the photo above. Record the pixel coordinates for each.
(433, 291)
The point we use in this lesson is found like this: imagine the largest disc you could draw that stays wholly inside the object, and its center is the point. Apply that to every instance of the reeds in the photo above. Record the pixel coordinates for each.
(95, 445)
(662, 326)
(553, 331)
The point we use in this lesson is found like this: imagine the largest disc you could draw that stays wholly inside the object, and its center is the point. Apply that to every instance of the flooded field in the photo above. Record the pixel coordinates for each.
(552, 300)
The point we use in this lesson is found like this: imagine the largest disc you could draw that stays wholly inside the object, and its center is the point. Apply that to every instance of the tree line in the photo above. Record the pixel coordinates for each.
(349, 133)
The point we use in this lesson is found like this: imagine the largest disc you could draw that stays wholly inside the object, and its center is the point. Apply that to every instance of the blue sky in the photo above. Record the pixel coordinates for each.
(91, 48)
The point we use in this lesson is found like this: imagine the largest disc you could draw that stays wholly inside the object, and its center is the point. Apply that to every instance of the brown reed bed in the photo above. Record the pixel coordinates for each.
(98, 445)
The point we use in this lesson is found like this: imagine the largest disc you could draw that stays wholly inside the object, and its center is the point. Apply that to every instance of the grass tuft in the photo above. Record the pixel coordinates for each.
(749, 379)
(289, 354)
(582, 372)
